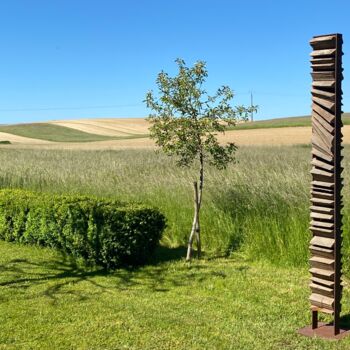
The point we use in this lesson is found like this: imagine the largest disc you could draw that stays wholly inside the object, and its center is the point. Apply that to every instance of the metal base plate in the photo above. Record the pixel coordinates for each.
(325, 331)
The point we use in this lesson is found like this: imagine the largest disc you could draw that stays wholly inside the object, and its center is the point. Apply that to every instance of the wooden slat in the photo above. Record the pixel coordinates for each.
(322, 60)
(323, 42)
(318, 265)
(323, 263)
(322, 232)
(322, 124)
(322, 165)
(323, 94)
(324, 83)
(322, 260)
(322, 75)
(322, 241)
(329, 117)
(321, 188)
(324, 134)
(321, 184)
(318, 289)
(323, 224)
(326, 252)
(320, 194)
(322, 155)
(320, 309)
(324, 103)
(320, 145)
(323, 66)
(322, 281)
(321, 301)
(322, 272)
(318, 53)
(318, 172)
(315, 215)
(316, 208)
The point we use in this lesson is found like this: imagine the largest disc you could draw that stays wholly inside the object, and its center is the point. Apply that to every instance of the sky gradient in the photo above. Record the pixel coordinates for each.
(69, 59)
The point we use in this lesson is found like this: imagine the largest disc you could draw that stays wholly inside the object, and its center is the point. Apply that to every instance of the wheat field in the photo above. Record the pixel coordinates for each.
(130, 132)
(265, 137)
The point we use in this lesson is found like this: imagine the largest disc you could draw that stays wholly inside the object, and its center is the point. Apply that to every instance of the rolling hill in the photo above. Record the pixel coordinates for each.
(59, 133)
(115, 133)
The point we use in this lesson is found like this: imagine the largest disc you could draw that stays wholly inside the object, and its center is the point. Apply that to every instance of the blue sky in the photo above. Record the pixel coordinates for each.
(64, 59)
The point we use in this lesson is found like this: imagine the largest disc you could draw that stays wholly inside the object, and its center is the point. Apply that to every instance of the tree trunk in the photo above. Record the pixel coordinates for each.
(201, 182)
(194, 223)
(195, 231)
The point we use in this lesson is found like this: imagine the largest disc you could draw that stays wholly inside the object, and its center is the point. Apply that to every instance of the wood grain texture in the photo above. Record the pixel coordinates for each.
(326, 184)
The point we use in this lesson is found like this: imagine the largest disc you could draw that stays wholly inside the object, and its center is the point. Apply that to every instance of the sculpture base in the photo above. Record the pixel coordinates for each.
(325, 331)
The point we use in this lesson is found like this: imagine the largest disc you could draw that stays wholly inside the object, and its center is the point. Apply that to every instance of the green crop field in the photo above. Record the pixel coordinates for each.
(249, 292)
(283, 122)
(57, 133)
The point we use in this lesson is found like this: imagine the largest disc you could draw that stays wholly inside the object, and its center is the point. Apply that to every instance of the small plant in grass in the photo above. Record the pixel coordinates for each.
(185, 123)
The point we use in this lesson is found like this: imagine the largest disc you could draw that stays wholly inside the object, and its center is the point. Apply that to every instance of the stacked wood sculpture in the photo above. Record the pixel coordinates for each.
(326, 200)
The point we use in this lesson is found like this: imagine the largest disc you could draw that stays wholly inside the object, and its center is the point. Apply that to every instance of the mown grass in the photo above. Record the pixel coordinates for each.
(258, 206)
(48, 302)
(283, 122)
(57, 133)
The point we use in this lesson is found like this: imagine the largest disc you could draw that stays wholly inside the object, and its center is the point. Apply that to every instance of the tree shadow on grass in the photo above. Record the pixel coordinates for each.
(63, 276)
(164, 254)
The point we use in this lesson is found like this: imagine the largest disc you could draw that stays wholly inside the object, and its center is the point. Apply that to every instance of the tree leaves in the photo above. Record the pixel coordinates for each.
(186, 120)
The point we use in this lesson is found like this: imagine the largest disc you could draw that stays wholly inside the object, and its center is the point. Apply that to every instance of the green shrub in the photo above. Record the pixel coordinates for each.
(105, 232)
(5, 143)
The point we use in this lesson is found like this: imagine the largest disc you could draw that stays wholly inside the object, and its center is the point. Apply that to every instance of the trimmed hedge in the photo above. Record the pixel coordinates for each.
(105, 232)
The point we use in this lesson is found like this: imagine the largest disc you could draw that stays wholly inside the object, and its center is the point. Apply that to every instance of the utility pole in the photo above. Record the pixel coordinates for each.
(251, 105)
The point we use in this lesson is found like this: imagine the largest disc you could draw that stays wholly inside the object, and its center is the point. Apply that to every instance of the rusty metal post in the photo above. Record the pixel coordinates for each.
(314, 319)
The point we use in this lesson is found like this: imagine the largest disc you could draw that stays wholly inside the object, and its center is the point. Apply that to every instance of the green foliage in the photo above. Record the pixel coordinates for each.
(108, 233)
(186, 119)
(5, 142)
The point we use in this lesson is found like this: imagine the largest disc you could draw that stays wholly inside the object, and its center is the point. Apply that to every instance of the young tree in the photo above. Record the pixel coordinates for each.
(185, 123)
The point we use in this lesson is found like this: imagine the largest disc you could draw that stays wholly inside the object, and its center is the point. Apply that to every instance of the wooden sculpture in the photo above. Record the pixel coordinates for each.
(326, 185)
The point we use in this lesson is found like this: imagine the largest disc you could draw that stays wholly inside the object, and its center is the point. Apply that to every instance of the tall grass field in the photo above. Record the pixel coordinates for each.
(257, 206)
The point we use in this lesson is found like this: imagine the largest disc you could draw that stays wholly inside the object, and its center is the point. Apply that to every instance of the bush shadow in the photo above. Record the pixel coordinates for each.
(64, 276)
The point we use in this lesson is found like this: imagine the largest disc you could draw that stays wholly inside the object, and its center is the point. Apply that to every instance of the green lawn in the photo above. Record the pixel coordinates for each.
(48, 302)
(57, 133)
(283, 122)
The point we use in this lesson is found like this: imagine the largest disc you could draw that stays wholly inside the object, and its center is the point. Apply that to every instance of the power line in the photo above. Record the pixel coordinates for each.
(67, 108)
(256, 93)
(251, 106)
